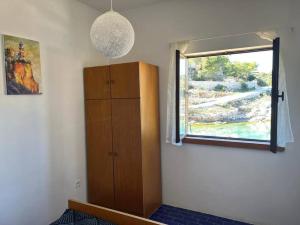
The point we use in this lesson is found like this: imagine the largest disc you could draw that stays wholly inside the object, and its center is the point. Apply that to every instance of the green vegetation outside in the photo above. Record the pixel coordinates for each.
(218, 68)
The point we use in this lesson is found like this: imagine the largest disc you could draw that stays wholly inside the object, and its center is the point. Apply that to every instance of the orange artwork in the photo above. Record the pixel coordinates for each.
(22, 66)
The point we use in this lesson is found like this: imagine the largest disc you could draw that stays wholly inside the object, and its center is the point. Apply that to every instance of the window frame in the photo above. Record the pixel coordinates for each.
(236, 142)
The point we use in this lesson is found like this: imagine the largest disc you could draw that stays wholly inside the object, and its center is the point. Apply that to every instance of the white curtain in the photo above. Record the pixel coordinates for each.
(284, 133)
(171, 101)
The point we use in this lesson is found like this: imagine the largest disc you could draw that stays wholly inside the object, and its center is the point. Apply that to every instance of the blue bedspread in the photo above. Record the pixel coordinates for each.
(71, 217)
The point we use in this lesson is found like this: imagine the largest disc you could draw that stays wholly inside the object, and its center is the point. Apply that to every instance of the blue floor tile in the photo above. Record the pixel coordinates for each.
(176, 216)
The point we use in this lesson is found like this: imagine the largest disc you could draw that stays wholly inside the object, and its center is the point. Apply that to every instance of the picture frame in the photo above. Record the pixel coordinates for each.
(22, 62)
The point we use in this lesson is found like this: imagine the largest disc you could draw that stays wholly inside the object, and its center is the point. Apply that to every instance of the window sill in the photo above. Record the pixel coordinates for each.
(229, 143)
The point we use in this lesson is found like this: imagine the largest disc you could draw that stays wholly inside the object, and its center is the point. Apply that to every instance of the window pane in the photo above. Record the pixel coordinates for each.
(230, 95)
(183, 106)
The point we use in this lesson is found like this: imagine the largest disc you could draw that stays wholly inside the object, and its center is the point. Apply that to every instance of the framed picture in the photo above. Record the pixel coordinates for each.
(22, 66)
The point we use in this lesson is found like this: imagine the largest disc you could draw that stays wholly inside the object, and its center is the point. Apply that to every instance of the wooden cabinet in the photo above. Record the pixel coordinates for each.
(123, 137)
(99, 157)
(125, 80)
(128, 163)
(97, 80)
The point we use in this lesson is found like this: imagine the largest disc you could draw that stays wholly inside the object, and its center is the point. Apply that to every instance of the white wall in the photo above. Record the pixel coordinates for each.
(249, 185)
(42, 150)
(42, 147)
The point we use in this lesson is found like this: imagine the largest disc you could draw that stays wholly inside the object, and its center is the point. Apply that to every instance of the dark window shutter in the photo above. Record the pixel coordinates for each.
(177, 96)
(275, 95)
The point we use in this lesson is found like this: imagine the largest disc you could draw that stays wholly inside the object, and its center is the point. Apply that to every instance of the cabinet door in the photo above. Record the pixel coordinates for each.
(125, 80)
(99, 156)
(128, 163)
(97, 82)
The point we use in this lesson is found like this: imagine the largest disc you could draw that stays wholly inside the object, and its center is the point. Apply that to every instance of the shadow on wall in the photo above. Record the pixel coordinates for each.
(48, 128)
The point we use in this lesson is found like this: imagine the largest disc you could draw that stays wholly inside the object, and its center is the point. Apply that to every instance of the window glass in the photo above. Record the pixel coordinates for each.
(230, 95)
(182, 93)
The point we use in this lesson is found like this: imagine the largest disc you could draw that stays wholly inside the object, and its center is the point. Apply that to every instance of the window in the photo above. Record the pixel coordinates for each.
(229, 96)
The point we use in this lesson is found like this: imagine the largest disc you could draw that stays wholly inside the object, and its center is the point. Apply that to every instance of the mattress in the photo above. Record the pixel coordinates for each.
(71, 217)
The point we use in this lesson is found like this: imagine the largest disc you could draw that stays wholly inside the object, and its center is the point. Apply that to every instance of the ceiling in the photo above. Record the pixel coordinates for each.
(119, 4)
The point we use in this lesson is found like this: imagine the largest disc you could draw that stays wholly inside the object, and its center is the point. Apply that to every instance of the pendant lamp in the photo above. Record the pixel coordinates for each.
(112, 34)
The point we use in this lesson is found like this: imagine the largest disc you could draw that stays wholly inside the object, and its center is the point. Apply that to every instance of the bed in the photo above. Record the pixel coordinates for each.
(80, 213)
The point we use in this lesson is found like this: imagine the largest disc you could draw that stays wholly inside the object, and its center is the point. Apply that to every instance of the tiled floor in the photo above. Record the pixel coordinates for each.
(176, 216)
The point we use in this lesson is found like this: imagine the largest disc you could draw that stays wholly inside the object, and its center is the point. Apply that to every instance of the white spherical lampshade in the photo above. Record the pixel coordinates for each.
(112, 35)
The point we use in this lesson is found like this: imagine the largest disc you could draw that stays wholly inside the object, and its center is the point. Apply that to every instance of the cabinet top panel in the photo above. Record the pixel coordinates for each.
(117, 80)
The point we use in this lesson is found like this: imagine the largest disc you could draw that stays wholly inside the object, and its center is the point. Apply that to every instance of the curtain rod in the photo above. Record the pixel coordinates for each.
(291, 29)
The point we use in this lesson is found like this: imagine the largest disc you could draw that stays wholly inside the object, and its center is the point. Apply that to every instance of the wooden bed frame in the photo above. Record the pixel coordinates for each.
(110, 215)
